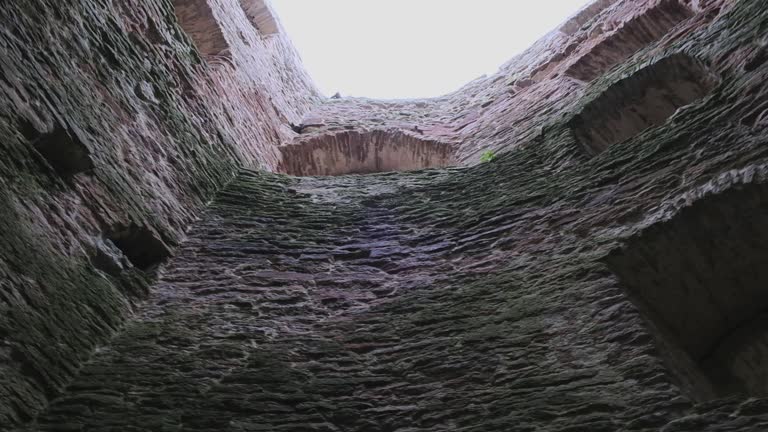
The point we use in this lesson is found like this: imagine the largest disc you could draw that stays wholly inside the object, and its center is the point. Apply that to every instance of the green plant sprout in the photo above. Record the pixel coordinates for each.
(487, 156)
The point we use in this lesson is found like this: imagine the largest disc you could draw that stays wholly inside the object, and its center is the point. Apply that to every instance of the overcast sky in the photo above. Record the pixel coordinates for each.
(413, 48)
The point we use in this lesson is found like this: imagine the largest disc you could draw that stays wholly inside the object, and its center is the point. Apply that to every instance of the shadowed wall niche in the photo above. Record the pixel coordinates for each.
(585, 15)
(363, 153)
(700, 279)
(645, 99)
(60, 148)
(143, 248)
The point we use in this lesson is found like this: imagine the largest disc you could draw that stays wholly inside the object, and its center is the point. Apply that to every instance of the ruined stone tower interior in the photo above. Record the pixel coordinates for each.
(193, 238)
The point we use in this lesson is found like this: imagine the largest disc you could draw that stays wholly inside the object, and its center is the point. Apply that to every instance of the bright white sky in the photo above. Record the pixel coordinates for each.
(413, 48)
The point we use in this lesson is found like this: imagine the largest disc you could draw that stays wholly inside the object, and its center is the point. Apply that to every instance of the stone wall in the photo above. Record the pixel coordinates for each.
(115, 132)
(555, 288)
(585, 279)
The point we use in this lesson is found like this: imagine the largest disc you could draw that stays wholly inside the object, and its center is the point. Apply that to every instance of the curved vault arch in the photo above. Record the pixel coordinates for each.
(363, 152)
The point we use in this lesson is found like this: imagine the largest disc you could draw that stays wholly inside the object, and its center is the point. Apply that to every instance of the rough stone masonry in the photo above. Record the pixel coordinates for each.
(192, 238)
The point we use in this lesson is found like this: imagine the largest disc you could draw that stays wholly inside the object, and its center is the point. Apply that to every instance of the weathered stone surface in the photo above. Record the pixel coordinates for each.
(551, 289)
(111, 119)
(585, 15)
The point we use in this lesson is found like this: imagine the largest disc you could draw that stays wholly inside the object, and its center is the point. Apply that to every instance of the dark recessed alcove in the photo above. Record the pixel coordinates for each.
(140, 245)
(643, 100)
(66, 154)
(701, 279)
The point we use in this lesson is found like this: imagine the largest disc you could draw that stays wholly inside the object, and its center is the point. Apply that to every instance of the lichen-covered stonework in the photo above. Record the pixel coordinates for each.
(115, 132)
(602, 272)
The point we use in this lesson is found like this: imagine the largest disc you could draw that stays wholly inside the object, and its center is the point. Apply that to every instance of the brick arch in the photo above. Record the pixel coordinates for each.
(353, 152)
